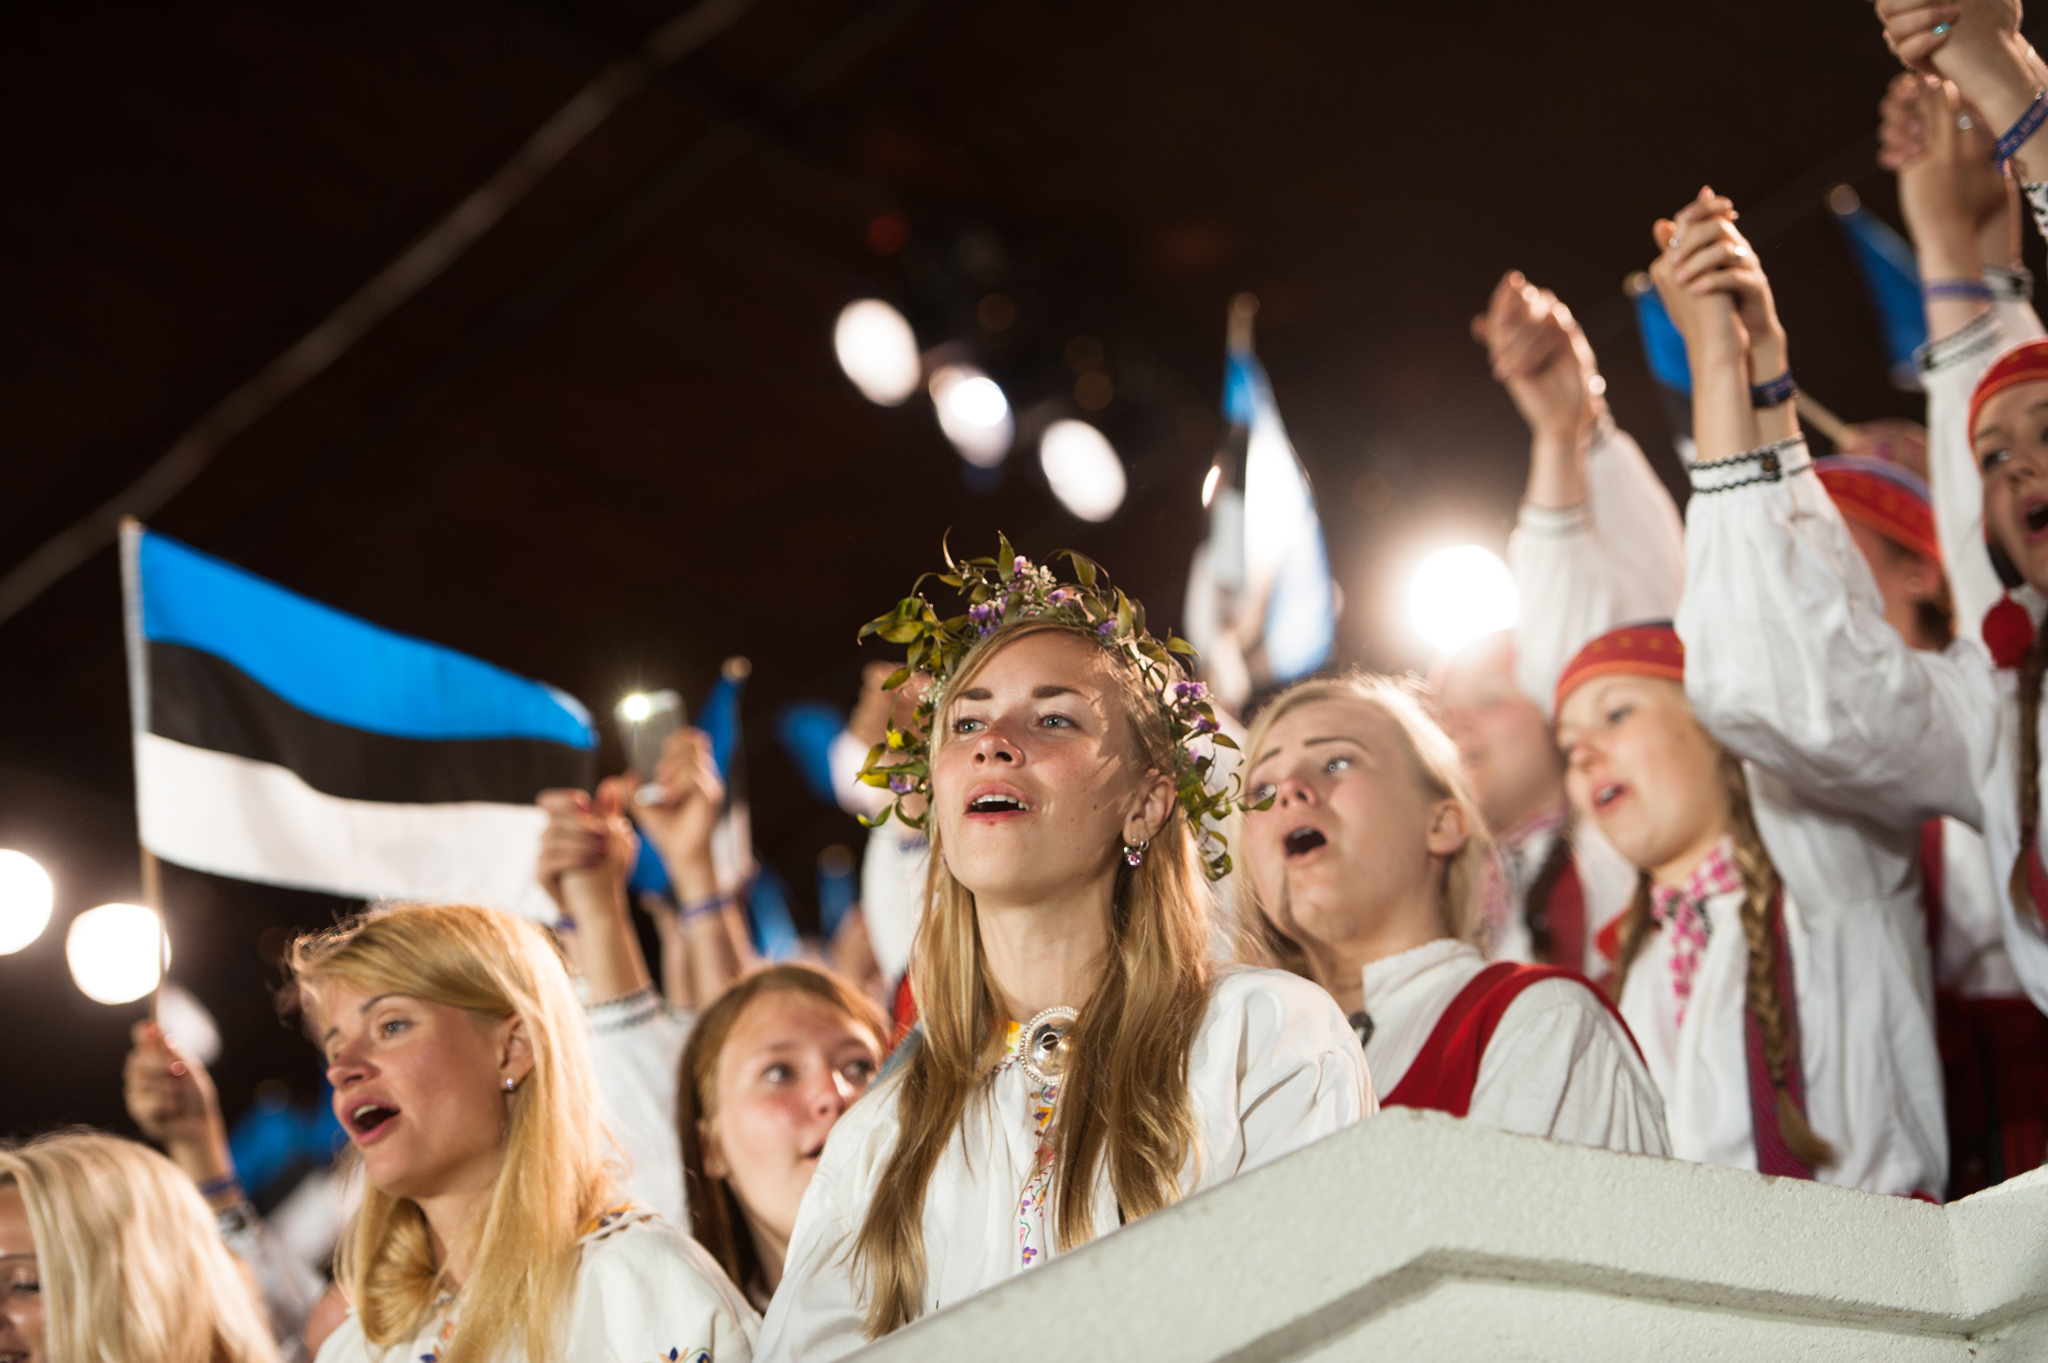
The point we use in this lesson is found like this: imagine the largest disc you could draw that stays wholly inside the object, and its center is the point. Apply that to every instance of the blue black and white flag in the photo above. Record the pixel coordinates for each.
(1891, 275)
(283, 741)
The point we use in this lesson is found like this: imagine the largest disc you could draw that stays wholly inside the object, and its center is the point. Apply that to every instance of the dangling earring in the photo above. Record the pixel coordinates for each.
(1135, 855)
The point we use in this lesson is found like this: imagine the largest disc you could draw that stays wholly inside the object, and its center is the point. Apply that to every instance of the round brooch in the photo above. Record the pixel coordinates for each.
(1042, 1043)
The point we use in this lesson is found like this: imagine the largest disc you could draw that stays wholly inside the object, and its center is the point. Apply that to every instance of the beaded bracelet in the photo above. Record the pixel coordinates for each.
(2016, 136)
(1975, 289)
(1774, 392)
(703, 906)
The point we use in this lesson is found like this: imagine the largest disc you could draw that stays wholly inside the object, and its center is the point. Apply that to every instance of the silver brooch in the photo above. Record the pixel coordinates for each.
(1042, 1043)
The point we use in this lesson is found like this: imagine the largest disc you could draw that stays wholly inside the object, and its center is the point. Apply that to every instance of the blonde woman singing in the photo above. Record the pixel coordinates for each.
(1080, 1062)
(490, 1230)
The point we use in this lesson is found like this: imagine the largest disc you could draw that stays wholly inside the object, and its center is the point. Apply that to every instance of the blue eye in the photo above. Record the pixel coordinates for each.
(1261, 793)
(1993, 458)
(965, 726)
(1057, 720)
(391, 1026)
(1337, 764)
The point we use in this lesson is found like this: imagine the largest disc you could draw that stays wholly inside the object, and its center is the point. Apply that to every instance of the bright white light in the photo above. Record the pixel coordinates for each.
(974, 414)
(1214, 476)
(636, 707)
(1083, 469)
(1459, 594)
(117, 952)
(25, 898)
(878, 351)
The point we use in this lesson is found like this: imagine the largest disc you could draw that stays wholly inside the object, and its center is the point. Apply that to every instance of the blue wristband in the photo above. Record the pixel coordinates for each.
(1776, 391)
(703, 906)
(1975, 289)
(215, 1187)
(2016, 136)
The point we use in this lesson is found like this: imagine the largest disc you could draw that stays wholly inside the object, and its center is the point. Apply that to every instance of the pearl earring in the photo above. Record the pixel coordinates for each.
(509, 1086)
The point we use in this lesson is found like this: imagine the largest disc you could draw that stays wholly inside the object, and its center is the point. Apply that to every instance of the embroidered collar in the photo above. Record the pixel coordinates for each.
(1716, 873)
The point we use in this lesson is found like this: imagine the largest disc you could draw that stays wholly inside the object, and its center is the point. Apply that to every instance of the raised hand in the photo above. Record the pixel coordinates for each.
(1976, 44)
(1541, 356)
(171, 1097)
(586, 849)
(681, 823)
(1720, 301)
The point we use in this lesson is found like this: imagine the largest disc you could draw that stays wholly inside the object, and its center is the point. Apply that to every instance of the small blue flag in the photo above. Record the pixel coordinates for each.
(1892, 276)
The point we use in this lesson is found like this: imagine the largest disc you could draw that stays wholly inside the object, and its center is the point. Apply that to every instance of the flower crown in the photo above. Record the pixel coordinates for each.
(1008, 588)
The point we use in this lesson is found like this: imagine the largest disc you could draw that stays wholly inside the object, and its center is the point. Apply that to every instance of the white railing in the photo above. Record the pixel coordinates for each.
(1417, 1236)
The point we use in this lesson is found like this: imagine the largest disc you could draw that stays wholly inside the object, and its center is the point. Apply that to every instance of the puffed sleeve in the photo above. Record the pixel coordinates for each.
(816, 1313)
(1789, 661)
(636, 1051)
(1275, 1068)
(1949, 370)
(1582, 570)
(1561, 1066)
(651, 1292)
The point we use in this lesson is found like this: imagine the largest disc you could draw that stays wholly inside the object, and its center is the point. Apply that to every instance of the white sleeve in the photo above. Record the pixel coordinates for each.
(650, 1291)
(1275, 1068)
(636, 1052)
(1789, 661)
(289, 1286)
(1582, 570)
(1949, 370)
(1560, 1066)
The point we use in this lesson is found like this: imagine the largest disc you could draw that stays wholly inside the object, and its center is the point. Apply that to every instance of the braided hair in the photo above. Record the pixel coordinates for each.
(1764, 999)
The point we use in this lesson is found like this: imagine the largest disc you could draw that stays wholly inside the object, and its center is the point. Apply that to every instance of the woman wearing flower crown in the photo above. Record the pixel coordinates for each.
(1363, 862)
(1080, 1063)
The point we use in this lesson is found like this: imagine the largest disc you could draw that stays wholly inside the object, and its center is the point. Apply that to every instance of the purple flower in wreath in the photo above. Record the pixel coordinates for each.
(1021, 564)
(1060, 596)
(1105, 629)
(1204, 725)
(1189, 691)
(902, 785)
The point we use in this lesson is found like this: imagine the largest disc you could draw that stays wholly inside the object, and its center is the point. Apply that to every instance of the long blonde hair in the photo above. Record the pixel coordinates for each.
(716, 1219)
(553, 1184)
(1763, 998)
(1123, 1101)
(132, 1265)
(1432, 760)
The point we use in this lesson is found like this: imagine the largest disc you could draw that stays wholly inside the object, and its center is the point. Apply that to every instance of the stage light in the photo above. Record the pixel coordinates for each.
(117, 952)
(636, 707)
(1459, 594)
(1083, 469)
(25, 898)
(973, 413)
(878, 351)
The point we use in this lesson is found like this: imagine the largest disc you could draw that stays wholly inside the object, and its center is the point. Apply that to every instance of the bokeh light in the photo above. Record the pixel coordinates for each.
(25, 898)
(878, 351)
(636, 707)
(1459, 594)
(1083, 469)
(117, 952)
(974, 414)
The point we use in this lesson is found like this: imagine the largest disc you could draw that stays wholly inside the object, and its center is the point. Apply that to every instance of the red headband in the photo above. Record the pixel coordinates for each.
(1887, 498)
(1647, 650)
(2023, 363)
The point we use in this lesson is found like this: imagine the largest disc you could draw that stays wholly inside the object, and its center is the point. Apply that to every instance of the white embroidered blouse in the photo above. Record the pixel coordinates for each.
(645, 1293)
(1273, 1068)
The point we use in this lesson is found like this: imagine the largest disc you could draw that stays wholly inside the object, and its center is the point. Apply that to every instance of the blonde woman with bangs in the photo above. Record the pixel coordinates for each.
(1364, 875)
(108, 1253)
(1079, 1063)
(490, 1229)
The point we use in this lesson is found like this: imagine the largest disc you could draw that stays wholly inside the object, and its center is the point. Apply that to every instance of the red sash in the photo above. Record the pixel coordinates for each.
(1442, 1076)
(1564, 913)
(1933, 892)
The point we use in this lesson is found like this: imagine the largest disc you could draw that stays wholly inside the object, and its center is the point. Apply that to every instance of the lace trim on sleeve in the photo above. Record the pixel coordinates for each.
(634, 1010)
(1770, 463)
(2009, 284)
(1983, 333)
(1555, 522)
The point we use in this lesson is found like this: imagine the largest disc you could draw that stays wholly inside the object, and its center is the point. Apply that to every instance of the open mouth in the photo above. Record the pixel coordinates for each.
(368, 1117)
(1302, 841)
(2037, 517)
(1606, 795)
(997, 803)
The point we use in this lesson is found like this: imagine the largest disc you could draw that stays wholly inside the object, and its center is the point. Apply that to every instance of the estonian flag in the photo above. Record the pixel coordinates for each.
(283, 741)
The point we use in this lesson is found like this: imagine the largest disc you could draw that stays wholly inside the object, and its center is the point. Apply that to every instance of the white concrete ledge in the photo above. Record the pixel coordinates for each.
(1418, 1236)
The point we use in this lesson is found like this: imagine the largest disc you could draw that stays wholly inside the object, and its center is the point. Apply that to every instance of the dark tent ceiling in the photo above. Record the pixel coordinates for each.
(610, 444)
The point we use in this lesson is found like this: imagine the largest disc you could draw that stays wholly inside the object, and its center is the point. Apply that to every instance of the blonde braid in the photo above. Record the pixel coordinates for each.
(2031, 674)
(1765, 1002)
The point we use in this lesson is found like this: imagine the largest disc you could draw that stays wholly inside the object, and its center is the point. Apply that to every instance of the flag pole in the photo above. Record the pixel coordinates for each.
(1819, 417)
(153, 900)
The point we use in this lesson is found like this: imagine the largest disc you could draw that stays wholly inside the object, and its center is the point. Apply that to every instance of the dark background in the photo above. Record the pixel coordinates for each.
(611, 446)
